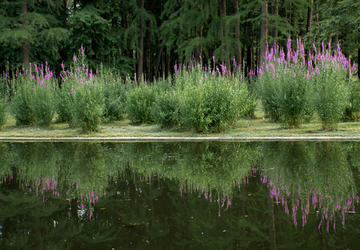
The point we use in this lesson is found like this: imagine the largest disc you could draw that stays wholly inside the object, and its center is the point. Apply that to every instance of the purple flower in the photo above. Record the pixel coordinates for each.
(74, 59)
(82, 50)
(69, 94)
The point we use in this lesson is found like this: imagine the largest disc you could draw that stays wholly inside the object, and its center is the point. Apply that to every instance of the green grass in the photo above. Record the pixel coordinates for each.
(242, 128)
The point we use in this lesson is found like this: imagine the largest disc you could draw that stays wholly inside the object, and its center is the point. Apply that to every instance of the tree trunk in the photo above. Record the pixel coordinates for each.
(335, 40)
(274, 12)
(141, 47)
(263, 32)
(25, 45)
(284, 10)
(167, 64)
(359, 63)
(158, 62)
(308, 26)
(237, 34)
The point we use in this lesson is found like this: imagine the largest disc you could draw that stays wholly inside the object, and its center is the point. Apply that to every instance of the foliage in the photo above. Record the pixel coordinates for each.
(22, 104)
(209, 103)
(115, 97)
(140, 102)
(283, 88)
(166, 108)
(352, 110)
(43, 105)
(3, 114)
(64, 104)
(88, 106)
(331, 92)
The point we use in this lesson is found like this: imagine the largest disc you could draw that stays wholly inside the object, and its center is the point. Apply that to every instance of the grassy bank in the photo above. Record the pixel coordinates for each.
(242, 128)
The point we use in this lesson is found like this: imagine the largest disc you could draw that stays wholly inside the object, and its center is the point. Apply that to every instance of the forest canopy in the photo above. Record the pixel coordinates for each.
(146, 39)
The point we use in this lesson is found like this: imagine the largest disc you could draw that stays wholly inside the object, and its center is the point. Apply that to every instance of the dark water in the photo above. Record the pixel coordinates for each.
(273, 195)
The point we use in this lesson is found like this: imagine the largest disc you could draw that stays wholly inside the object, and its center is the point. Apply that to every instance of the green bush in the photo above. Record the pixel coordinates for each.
(88, 105)
(352, 110)
(22, 106)
(43, 105)
(212, 104)
(166, 109)
(140, 102)
(64, 104)
(114, 95)
(332, 95)
(285, 97)
(2, 112)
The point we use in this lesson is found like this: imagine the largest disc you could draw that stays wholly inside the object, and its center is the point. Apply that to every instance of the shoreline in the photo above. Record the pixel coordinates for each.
(174, 139)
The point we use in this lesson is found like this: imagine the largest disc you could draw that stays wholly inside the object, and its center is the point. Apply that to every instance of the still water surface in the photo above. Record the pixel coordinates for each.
(181, 195)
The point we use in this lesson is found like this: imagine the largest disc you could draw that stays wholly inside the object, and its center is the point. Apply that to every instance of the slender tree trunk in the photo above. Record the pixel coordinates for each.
(308, 25)
(167, 64)
(358, 63)
(141, 46)
(284, 11)
(158, 62)
(335, 40)
(25, 45)
(237, 34)
(274, 12)
(263, 31)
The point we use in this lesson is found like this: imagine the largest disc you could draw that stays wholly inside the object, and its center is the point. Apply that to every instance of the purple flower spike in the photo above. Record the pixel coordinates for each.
(74, 59)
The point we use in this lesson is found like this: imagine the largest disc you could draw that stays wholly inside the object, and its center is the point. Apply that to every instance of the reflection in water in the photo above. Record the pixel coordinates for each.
(204, 195)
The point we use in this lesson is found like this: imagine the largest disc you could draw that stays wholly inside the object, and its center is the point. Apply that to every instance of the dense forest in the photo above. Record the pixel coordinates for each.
(146, 39)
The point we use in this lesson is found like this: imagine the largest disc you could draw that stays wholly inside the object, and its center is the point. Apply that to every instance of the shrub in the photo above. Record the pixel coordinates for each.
(166, 109)
(64, 104)
(2, 112)
(114, 95)
(88, 105)
(42, 105)
(352, 110)
(285, 95)
(21, 106)
(140, 102)
(332, 95)
(211, 104)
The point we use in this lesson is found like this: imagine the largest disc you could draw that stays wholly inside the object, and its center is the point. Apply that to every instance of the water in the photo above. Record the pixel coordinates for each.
(205, 195)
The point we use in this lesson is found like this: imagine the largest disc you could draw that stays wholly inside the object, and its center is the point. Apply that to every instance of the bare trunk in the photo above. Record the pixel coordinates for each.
(25, 45)
(158, 62)
(284, 11)
(237, 34)
(263, 31)
(141, 47)
(167, 64)
(335, 40)
(358, 63)
(308, 25)
(274, 12)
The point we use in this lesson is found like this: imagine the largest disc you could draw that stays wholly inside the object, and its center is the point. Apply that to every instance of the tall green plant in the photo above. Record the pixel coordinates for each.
(43, 105)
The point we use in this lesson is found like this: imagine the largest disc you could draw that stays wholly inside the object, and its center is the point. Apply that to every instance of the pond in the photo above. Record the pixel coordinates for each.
(180, 195)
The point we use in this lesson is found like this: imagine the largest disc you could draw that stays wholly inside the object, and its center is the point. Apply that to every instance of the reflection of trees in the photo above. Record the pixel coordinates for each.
(143, 208)
(310, 175)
